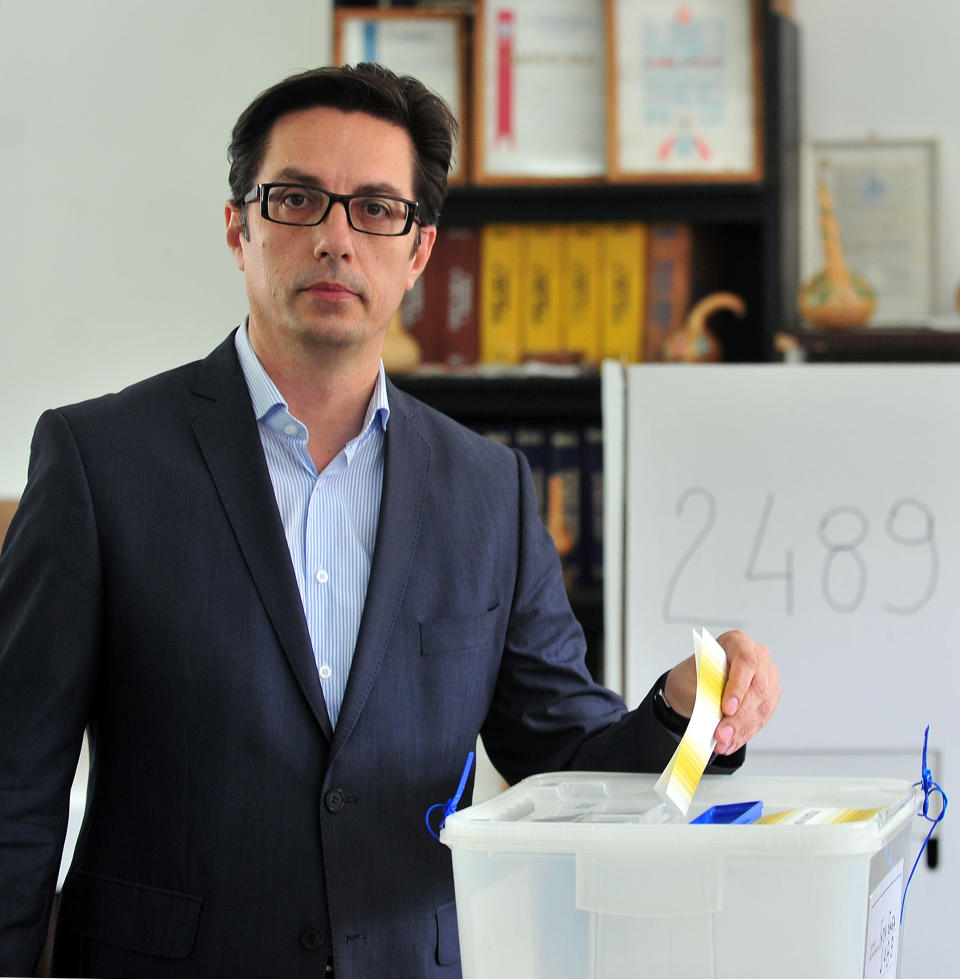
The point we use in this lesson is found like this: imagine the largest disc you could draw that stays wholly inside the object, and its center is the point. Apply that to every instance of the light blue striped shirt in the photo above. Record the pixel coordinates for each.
(330, 518)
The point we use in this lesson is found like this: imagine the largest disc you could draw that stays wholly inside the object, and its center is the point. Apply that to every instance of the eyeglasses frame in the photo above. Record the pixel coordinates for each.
(262, 191)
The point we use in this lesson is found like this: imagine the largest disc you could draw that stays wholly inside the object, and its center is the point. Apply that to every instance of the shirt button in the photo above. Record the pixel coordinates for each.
(325, 672)
(322, 576)
(334, 800)
(291, 429)
(311, 938)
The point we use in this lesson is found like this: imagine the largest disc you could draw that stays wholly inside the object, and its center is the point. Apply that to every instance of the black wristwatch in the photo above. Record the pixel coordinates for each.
(675, 723)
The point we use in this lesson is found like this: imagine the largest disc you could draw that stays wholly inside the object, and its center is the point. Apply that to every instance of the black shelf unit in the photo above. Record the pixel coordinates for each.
(752, 226)
(754, 229)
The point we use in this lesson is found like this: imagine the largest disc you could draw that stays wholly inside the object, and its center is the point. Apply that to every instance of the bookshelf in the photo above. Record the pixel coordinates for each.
(752, 225)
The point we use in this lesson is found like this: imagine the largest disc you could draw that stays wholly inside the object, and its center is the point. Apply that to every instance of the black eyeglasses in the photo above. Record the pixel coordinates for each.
(305, 206)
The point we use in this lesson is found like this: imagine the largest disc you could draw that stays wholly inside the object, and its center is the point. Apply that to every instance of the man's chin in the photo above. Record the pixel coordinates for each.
(331, 337)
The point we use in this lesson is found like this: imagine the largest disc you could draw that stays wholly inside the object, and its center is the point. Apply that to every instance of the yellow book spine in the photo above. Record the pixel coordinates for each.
(542, 323)
(624, 284)
(580, 289)
(501, 275)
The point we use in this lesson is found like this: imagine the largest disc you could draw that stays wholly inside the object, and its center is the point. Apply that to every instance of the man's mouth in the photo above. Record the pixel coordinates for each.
(330, 291)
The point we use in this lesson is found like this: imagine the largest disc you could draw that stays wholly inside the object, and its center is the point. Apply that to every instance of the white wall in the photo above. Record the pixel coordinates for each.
(114, 122)
(887, 68)
(114, 117)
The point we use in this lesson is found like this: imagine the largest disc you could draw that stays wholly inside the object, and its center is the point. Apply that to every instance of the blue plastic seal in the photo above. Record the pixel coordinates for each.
(451, 804)
(730, 814)
(929, 788)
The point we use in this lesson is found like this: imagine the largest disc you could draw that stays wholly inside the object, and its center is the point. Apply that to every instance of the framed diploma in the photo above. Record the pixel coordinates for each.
(885, 198)
(539, 91)
(428, 44)
(684, 90)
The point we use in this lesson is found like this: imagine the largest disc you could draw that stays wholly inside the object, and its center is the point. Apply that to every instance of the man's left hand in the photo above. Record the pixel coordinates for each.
(750, 696)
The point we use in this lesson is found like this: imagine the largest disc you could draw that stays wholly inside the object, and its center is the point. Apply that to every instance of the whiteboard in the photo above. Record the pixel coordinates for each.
(816, 507)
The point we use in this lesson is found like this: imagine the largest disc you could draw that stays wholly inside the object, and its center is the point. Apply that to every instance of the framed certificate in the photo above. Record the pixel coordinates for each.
(684, 90)
(885, 197)
(430, 45)
(539, 91)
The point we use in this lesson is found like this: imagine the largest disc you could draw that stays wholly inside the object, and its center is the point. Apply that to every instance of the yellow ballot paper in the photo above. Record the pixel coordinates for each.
(817, 817)
(682, 775)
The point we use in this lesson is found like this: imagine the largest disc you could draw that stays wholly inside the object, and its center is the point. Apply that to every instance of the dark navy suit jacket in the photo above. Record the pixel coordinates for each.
(147, 595)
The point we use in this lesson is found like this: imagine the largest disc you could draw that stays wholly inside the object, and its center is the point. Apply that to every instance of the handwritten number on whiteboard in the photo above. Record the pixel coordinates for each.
(837, 543)
(842, 531)
(924, 538)
(707, 525)
(753, 574)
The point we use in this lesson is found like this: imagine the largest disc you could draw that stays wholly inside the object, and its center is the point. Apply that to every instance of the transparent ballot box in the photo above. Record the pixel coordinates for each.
(591, 876)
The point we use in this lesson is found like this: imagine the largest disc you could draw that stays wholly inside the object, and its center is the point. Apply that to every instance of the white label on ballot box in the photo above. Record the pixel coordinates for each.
(883, 926)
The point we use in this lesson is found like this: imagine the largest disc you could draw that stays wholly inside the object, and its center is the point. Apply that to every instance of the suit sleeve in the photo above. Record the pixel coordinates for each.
(548, 713)
(50, 600)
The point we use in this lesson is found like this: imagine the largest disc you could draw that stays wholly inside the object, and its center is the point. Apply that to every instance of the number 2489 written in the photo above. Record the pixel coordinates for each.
(841, 530)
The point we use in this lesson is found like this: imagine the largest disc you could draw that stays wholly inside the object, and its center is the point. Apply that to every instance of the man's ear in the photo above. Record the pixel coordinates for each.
(235, 231)
(428, 235)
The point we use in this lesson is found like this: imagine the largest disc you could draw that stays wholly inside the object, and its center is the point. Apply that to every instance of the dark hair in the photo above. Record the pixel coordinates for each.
(366, 87)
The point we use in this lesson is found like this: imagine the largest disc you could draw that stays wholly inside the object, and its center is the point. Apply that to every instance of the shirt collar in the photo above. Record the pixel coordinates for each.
(269, 402)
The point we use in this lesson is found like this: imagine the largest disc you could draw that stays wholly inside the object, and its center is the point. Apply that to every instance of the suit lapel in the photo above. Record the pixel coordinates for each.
(226, 430)
(405, 478)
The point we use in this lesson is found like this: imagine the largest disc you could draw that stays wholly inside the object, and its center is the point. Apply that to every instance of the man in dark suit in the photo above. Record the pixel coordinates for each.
(283, 599)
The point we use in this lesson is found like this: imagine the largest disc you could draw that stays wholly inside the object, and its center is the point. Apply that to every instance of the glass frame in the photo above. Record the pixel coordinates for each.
(887, 199)
(262, 192)
(430, 44)
(539, 93)
(673, 121)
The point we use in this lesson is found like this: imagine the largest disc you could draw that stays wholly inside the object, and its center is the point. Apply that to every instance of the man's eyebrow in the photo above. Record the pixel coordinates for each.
(293, 175)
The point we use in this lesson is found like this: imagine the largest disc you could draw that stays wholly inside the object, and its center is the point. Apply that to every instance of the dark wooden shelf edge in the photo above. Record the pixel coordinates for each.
(703, 203)
(908, 344)
(486, 399)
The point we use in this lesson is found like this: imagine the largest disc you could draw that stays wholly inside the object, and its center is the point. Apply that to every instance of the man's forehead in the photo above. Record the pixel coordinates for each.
(313, 141)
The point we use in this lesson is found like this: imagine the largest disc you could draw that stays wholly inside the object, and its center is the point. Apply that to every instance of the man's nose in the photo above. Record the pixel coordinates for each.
(334, 236)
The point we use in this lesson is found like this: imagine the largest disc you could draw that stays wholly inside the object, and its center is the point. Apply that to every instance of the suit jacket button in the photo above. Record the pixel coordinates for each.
(311, 938)
(335, 800)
